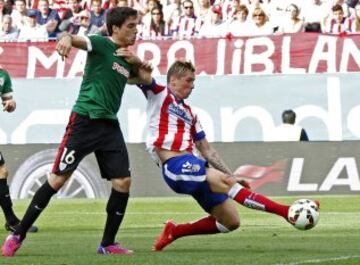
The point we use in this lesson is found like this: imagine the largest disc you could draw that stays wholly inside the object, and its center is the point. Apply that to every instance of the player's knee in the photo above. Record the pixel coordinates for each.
(4, 173)
(56, 181)
(122, 184)
(233, 225)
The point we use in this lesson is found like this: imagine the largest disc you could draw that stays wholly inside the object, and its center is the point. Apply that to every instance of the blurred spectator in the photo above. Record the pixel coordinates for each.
(186, 25)
(239, 26)
(32, 31)
(157, 26)
(229, 8)
(172, 11)
(203, 10)
(150, 4)
(97, 16)
(71, 14)
(356, 22)
(3, 10)
(339, 23)
(19, 14)
(48, 17)
(8, 32)
(315, 13)
(81, 25)
(73, 8)
(215, 27)
(260, 24)
(121, 3)
(292, 23)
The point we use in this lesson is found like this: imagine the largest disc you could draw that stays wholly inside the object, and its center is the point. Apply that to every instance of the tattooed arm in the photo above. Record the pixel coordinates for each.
(214, 159)
(212, 156)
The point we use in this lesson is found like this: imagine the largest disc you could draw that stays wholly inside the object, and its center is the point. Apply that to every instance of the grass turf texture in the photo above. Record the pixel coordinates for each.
(70, 231)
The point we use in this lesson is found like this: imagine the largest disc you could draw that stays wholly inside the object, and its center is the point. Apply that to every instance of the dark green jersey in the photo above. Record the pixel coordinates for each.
(5, 83)
(104, 80)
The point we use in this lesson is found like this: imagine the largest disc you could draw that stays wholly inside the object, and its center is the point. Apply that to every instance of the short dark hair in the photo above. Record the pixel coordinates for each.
(179, 68)
(337, 7)
(289, 116)
(117, 16)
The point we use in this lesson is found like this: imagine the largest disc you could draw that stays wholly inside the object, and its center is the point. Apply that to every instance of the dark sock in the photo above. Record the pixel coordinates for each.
(6, 204)
(115, 209)
(37, 205)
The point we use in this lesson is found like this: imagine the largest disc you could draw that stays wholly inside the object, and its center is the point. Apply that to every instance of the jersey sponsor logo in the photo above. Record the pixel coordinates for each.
(187, 167)
(180, 113)
(120, 69)
(2, 81)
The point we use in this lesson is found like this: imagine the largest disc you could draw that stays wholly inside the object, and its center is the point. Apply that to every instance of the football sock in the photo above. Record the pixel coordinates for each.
(6, 204)
(257, 201)
(37, 205)
(115, 209)
(206, 225)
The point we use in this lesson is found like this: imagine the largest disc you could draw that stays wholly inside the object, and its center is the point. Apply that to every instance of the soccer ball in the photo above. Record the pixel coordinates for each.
(304, 214)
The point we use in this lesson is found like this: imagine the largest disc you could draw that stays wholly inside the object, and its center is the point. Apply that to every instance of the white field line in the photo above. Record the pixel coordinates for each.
(315, 261)
(186, 213)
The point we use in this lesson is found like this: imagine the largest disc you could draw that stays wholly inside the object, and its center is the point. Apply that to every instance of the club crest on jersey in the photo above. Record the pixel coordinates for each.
(180, 113)
(120, 69)
(187, 167)
(2, 81)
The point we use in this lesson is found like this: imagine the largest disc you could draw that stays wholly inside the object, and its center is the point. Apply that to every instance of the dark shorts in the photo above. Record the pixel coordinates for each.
(186, 174)
(2, 159)
(101, 136)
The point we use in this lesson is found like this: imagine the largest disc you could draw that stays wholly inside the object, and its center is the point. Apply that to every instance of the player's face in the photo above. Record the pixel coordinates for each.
(183, 86)
(126, 34)
(339, 15)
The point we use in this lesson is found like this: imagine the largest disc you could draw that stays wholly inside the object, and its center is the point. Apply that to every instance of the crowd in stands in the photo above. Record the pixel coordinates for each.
(29, 20)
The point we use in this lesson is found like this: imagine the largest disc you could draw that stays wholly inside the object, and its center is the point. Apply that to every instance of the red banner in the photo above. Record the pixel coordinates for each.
(282, 54)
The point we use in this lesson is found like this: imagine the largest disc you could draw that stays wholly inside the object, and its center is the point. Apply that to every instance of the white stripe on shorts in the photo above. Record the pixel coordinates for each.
(175, 177)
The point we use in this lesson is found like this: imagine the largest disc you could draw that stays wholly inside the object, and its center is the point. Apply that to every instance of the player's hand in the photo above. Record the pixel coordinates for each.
(64, 45)
(242, 181)
(147, 66)
(129, 56)
(9, 105)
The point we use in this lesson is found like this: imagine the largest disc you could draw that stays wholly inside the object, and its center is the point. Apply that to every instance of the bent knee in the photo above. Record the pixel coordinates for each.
(56, 181)
(234, 225)
(4, 173)
(122, 184)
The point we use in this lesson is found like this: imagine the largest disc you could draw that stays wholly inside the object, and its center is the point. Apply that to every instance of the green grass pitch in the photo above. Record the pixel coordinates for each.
(70, 231)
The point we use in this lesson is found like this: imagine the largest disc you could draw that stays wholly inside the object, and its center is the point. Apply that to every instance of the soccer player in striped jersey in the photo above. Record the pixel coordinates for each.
(174, 134)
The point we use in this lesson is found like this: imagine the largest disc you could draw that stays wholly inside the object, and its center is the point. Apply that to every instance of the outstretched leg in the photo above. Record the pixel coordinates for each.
(223, 219)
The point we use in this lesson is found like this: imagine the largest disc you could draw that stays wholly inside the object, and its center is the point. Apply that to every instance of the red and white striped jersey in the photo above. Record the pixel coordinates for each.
(172, 124)
(335, 27)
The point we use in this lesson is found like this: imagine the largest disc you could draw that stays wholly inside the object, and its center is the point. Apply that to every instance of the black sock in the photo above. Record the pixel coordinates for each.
(6, 204)
(115, 209)
(37, 205)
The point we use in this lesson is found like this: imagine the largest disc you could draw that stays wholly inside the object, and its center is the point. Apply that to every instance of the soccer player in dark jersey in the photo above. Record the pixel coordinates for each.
(93, 126)
(9, 105)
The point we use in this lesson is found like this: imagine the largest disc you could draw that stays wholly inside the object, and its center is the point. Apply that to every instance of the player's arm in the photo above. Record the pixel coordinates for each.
(212, 156)
(141, 71)
(66, 41)
(214, 159)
